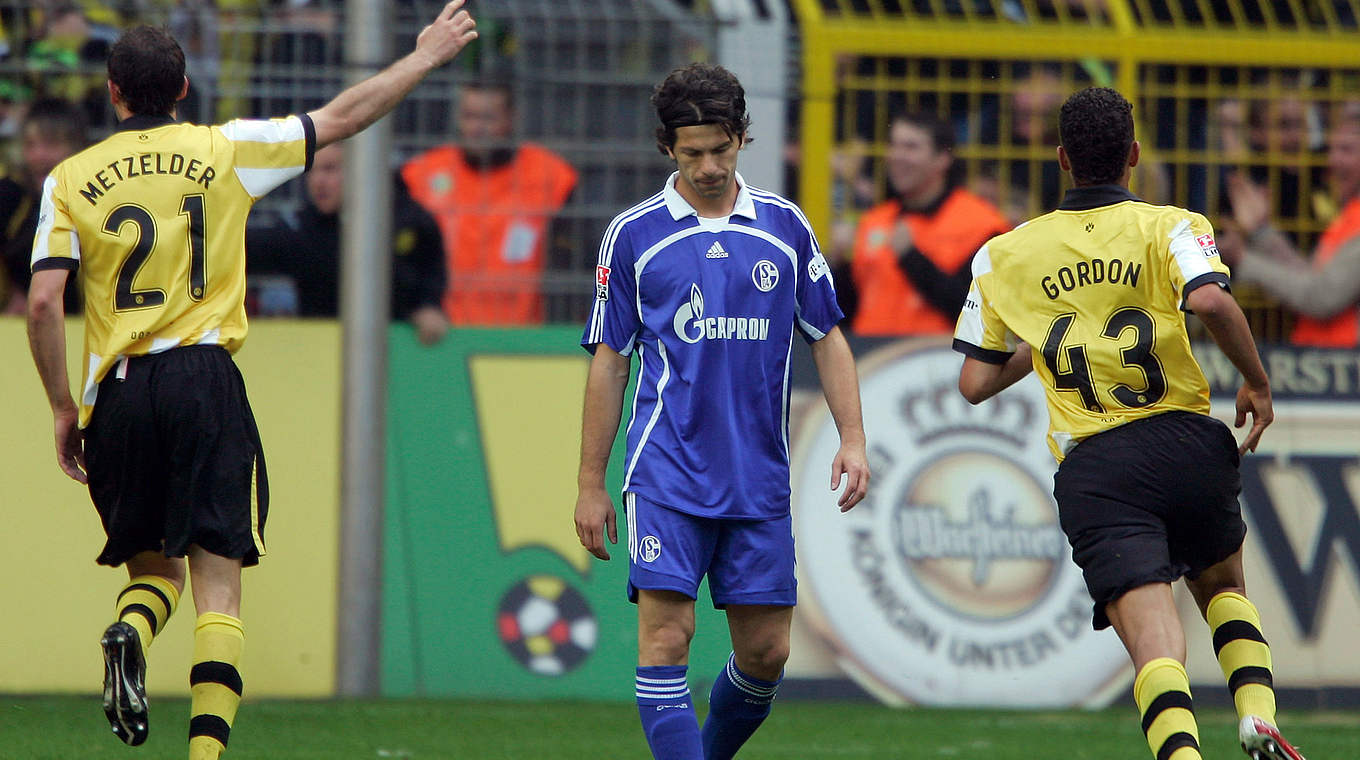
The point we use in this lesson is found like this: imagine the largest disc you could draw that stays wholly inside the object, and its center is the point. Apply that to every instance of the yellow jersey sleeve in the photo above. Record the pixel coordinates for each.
(980, 331)
(269, 152)
(1193, 258)
(55, 245)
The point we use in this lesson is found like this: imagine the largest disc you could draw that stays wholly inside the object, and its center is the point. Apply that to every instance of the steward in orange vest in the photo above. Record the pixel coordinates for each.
(909, 272)
(494, 205)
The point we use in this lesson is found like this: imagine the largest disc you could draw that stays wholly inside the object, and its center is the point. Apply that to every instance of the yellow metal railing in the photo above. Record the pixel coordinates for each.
(1217, 85)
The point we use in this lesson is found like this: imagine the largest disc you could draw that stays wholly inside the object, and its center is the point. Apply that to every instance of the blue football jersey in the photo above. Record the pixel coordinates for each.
(711, 307)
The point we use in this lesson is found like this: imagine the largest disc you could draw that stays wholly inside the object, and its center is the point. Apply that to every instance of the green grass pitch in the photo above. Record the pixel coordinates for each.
(63, 728)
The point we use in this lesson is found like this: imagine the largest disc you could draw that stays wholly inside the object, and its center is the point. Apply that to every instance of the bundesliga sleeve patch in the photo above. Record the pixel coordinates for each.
(601, 283)
(1207, 245)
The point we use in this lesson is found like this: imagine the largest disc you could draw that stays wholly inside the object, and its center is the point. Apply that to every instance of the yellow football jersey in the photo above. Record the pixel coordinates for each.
(1097, 290)
(154, 217)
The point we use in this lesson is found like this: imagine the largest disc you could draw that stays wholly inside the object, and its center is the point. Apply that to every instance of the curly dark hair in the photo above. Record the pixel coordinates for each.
(147, 65)
(1095, 127)
(700, 93)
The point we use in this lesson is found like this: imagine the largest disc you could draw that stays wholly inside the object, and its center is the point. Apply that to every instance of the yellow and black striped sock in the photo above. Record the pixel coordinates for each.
(146, 604)
(1162, 691)
(1243, 654)
(214, 684)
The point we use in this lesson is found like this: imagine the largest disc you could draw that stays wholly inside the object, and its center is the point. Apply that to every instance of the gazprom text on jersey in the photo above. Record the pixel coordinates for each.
(145, 164)
(1093, 272)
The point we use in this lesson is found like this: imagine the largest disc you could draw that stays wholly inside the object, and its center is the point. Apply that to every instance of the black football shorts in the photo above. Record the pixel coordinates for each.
(174, 458)
(1150, 501)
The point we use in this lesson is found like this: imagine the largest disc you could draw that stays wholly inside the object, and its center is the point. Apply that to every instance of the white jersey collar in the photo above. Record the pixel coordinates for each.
(680, 208)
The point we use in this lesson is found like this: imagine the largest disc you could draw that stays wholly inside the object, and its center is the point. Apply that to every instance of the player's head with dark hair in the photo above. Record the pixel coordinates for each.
(146, 66)
(697, 94)
(1095, 126)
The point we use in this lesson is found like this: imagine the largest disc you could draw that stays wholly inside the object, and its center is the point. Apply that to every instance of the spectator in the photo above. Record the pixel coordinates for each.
(494, 201)
(1279, 129)
(909, 271)
(305, 246)
(52, 130)
(1325, 292)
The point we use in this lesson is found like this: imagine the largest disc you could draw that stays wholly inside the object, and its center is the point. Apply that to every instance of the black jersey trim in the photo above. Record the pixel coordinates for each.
(982, 354)
(309, 132)
(142, 121)
(1094, 196)
(1204, 279)
(57, 262)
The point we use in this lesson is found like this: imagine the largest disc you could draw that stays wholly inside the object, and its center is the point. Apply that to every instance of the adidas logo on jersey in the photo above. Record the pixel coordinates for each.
(716, 251)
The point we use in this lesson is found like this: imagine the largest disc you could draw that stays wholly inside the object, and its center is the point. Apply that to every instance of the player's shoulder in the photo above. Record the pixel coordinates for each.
(774, 203)
(647, 219)
(1166, 215)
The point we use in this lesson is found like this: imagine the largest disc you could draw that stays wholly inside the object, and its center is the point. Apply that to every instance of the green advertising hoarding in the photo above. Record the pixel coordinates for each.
(486, 590)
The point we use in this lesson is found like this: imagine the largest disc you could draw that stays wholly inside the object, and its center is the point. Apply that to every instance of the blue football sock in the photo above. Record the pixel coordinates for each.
(737, 706)
(667, 713)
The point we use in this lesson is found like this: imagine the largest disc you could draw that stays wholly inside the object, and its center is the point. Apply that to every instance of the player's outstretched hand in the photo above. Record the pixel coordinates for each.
(853, 463)
(70, 445)
(447, 35)
(594, 517)
(1255, 401)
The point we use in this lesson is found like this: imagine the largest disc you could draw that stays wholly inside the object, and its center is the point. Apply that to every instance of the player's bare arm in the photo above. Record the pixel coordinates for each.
(840, 385)
(47, 340)
(359, 106)
(599, 424)
(979, 380)
(1219, 312)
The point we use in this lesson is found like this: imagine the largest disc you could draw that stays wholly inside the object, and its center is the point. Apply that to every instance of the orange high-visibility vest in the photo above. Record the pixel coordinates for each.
(495, 224)
(888, 304)
(1342, 330)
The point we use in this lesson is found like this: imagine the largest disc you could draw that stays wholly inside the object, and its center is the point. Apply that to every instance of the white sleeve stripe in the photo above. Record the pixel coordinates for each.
(46, 219)
(969, 327)
(982, 262)
(289, 129)
(776, 200)
(615, 227)
(809, 329)
(258, 182)
(1189, 256)
(606, 256)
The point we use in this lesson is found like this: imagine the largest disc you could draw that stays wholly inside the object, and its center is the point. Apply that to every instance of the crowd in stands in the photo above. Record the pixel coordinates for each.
(478, 219)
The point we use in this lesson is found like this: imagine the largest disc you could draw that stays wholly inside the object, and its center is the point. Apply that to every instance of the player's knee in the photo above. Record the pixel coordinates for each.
(764, 659)
(664, 644)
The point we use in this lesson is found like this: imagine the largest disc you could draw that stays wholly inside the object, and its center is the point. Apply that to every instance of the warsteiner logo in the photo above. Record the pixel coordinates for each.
(952, 583)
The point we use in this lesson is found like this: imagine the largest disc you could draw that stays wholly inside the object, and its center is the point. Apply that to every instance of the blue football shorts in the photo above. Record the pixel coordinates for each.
(747, 561)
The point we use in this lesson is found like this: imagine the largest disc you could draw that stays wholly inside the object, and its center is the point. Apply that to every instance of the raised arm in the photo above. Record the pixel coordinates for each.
(840, 385)
(359, 106)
